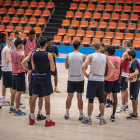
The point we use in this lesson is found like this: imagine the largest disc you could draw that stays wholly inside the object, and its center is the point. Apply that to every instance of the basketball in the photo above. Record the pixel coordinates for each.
(134, 79)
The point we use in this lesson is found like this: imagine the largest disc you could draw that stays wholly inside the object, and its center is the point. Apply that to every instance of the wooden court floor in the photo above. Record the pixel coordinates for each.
(17, 127)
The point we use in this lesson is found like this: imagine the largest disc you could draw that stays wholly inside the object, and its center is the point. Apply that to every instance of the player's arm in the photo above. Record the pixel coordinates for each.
(110, 64)
(55, 54)
(88, 59)
(52, 66)
(84, 58)
(66, 62)
(124, 56)
(120, 72)
(8, 53)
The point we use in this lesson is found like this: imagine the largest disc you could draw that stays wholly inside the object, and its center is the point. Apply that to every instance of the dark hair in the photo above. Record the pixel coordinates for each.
(17, 32)
(102, 44)
(32, 32)
(76, 44)
(49, 39)
(132, 53)
(17, 42)
(127, 42)
(105, 49)
(111, 50)
(2, 35)
(42, 42)
(37, 44)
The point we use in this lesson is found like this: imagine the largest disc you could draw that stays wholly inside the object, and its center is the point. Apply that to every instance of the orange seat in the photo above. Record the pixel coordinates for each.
(5, 33)
(109, 8)
(115, 16)
(86, 40)
(102, 25)
(80, 33)
(136, 43)
(97, 15)
(67, 39)
(121, 1)
(87, 15)
(106, 41)
(75, 23)
(11, 11)
(24, 4)
(41, 21)
(109, 35)
(100, 7)
(20, 12)
(37, 30)
(103, 1)
(121, 26)
(85, 0)
(112, 1)
(134, 17)
(129, 36)
(138, 27)
(57, 38)
(76, 0)
(94, 0)
(119, 35)
(131, 26)
(16, 4)
(91, 7)
(137, 36)
(66, 23)
(23, 36)
(129, 1)
(76, 38)
(78, 15)
(46, 13)
(71, 32)
(50, 5)
(124, 17)
(18, 28)
(27, 29)
(33, 21)
(127, 9)
(116, 42)
(118, 8)
(0, 18)
(61, 32)
(29, 12)
(82, 7)
(112, 25)
(37, 13)
(89, 34)
(15, 20)
(23, 20)
(137, 2)
(41, 5)
(33, 4)
(8, 3)
(12, 35)
(136, 9)
(96, 40)
(73, 6)
(106, 16)
(6, 19)
(3, 11)
(84, 24)
(99, 34)
(93, 24)
(10, 28)
(70, 14)
(2, 28)
(1, 2)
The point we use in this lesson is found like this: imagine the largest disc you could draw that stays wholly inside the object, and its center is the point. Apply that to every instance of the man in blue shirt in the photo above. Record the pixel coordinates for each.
(134, 85)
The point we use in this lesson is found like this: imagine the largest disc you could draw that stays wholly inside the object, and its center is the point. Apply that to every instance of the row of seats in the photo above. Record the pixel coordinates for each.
(87, 41)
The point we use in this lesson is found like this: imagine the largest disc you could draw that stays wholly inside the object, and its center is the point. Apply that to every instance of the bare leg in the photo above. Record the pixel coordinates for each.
(40, 103)
(90, 109)
(18, 95)
(123, 93)
(47, 104)
(30, 100)
(126, 99)
(101, 109)
(105, 95)
(69, 99)
(3, 91)
(13, 93)
(115, 101)
(134, 105)
(55, 81)
(33, 102)
(80, 101)
(111, 96)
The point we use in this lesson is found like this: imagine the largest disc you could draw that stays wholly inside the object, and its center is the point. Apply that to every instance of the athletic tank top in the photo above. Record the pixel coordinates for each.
(41, 62)
(29, 46)
(16, 62)
(125, 67)
(75, 73)
(97, 67)
(117, 63)
(5, 66)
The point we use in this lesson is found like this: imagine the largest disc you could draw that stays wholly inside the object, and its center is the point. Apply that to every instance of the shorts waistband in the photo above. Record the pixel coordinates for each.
(40, 74)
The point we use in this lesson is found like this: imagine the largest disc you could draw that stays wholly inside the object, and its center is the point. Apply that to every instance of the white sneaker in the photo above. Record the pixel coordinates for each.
(6, 103)
(121, 110)
(0, 100)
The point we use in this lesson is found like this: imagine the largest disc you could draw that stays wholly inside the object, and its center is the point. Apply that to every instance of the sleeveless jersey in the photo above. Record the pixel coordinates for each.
(75, 61)
(16, 62)
(125, 67)
(97, 67)
(29, 46)
(117, 63)
(5, 66)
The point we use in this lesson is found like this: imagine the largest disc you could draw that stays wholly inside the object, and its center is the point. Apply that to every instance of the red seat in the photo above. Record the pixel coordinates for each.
(118, 8)
(23, 36)
(121, 1)
(18, 28)
(11, 11)
(41, 21)
(57, 38)
(100, 8)
(86, 40)
(78, 15)
(112, 1)
(96, 40)
(84, 24)
(99, 34)
(70, 14)
(3, 11)
(12, 35)
(6, 19)
(10, 28)
(134, 17)
(97, 15)
(109, 35)
(89, 34)
(15, 20)
(124, 17)
(33, 4)
(20, 12)
(33, 21)
(121, 26)
(115, 16)
(87, 15)
(82, 7)
(29, 12)
(103, 1)
(109, 8)
(24, 4)
(46, 13)
(91, 7)
(129, 1)
(8, 3)
(136, 9)
(73, 6)
(27, 29)
(138, 27)
(67, 39)
(74, 23)
(93, 24)
(112, 25)
(129, 36)
(137, 2)
(16, 3)
(2, 28)
(23, 20)
(94, 0)
(66, 23)
(106, 16)
(37, 30)
(50, 5)
(102, 25)
(127, 9)
(41, 5)
(137, 36)
(37, 13)
(131, 26)
(1, 2)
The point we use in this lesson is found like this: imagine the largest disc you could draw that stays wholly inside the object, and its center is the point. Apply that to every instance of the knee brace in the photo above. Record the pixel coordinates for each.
(90, 101)
(101, 101)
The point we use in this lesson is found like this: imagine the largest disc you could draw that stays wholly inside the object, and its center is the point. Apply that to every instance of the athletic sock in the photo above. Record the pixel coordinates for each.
(48, 118)
(67, 111)
(114, 112)
(102, 116)
(39, 112)
(81, 112)
(55, 87)
(12, 107)
(32, 116)
(16, 109)
(3, 98)
(126, 104)
(89, 116)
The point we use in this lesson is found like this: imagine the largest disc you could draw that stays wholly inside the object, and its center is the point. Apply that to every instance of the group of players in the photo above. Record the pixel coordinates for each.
(108, 73)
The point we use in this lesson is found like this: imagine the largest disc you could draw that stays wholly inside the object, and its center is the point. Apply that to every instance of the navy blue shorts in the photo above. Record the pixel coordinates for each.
(112, 86)
(18, 81)
(95, 89)
(42, 83)
(29, 65)
(54, 73)
(77, 86)
(134, 90)
(7, 79)
(31, 86)
(123, 84)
